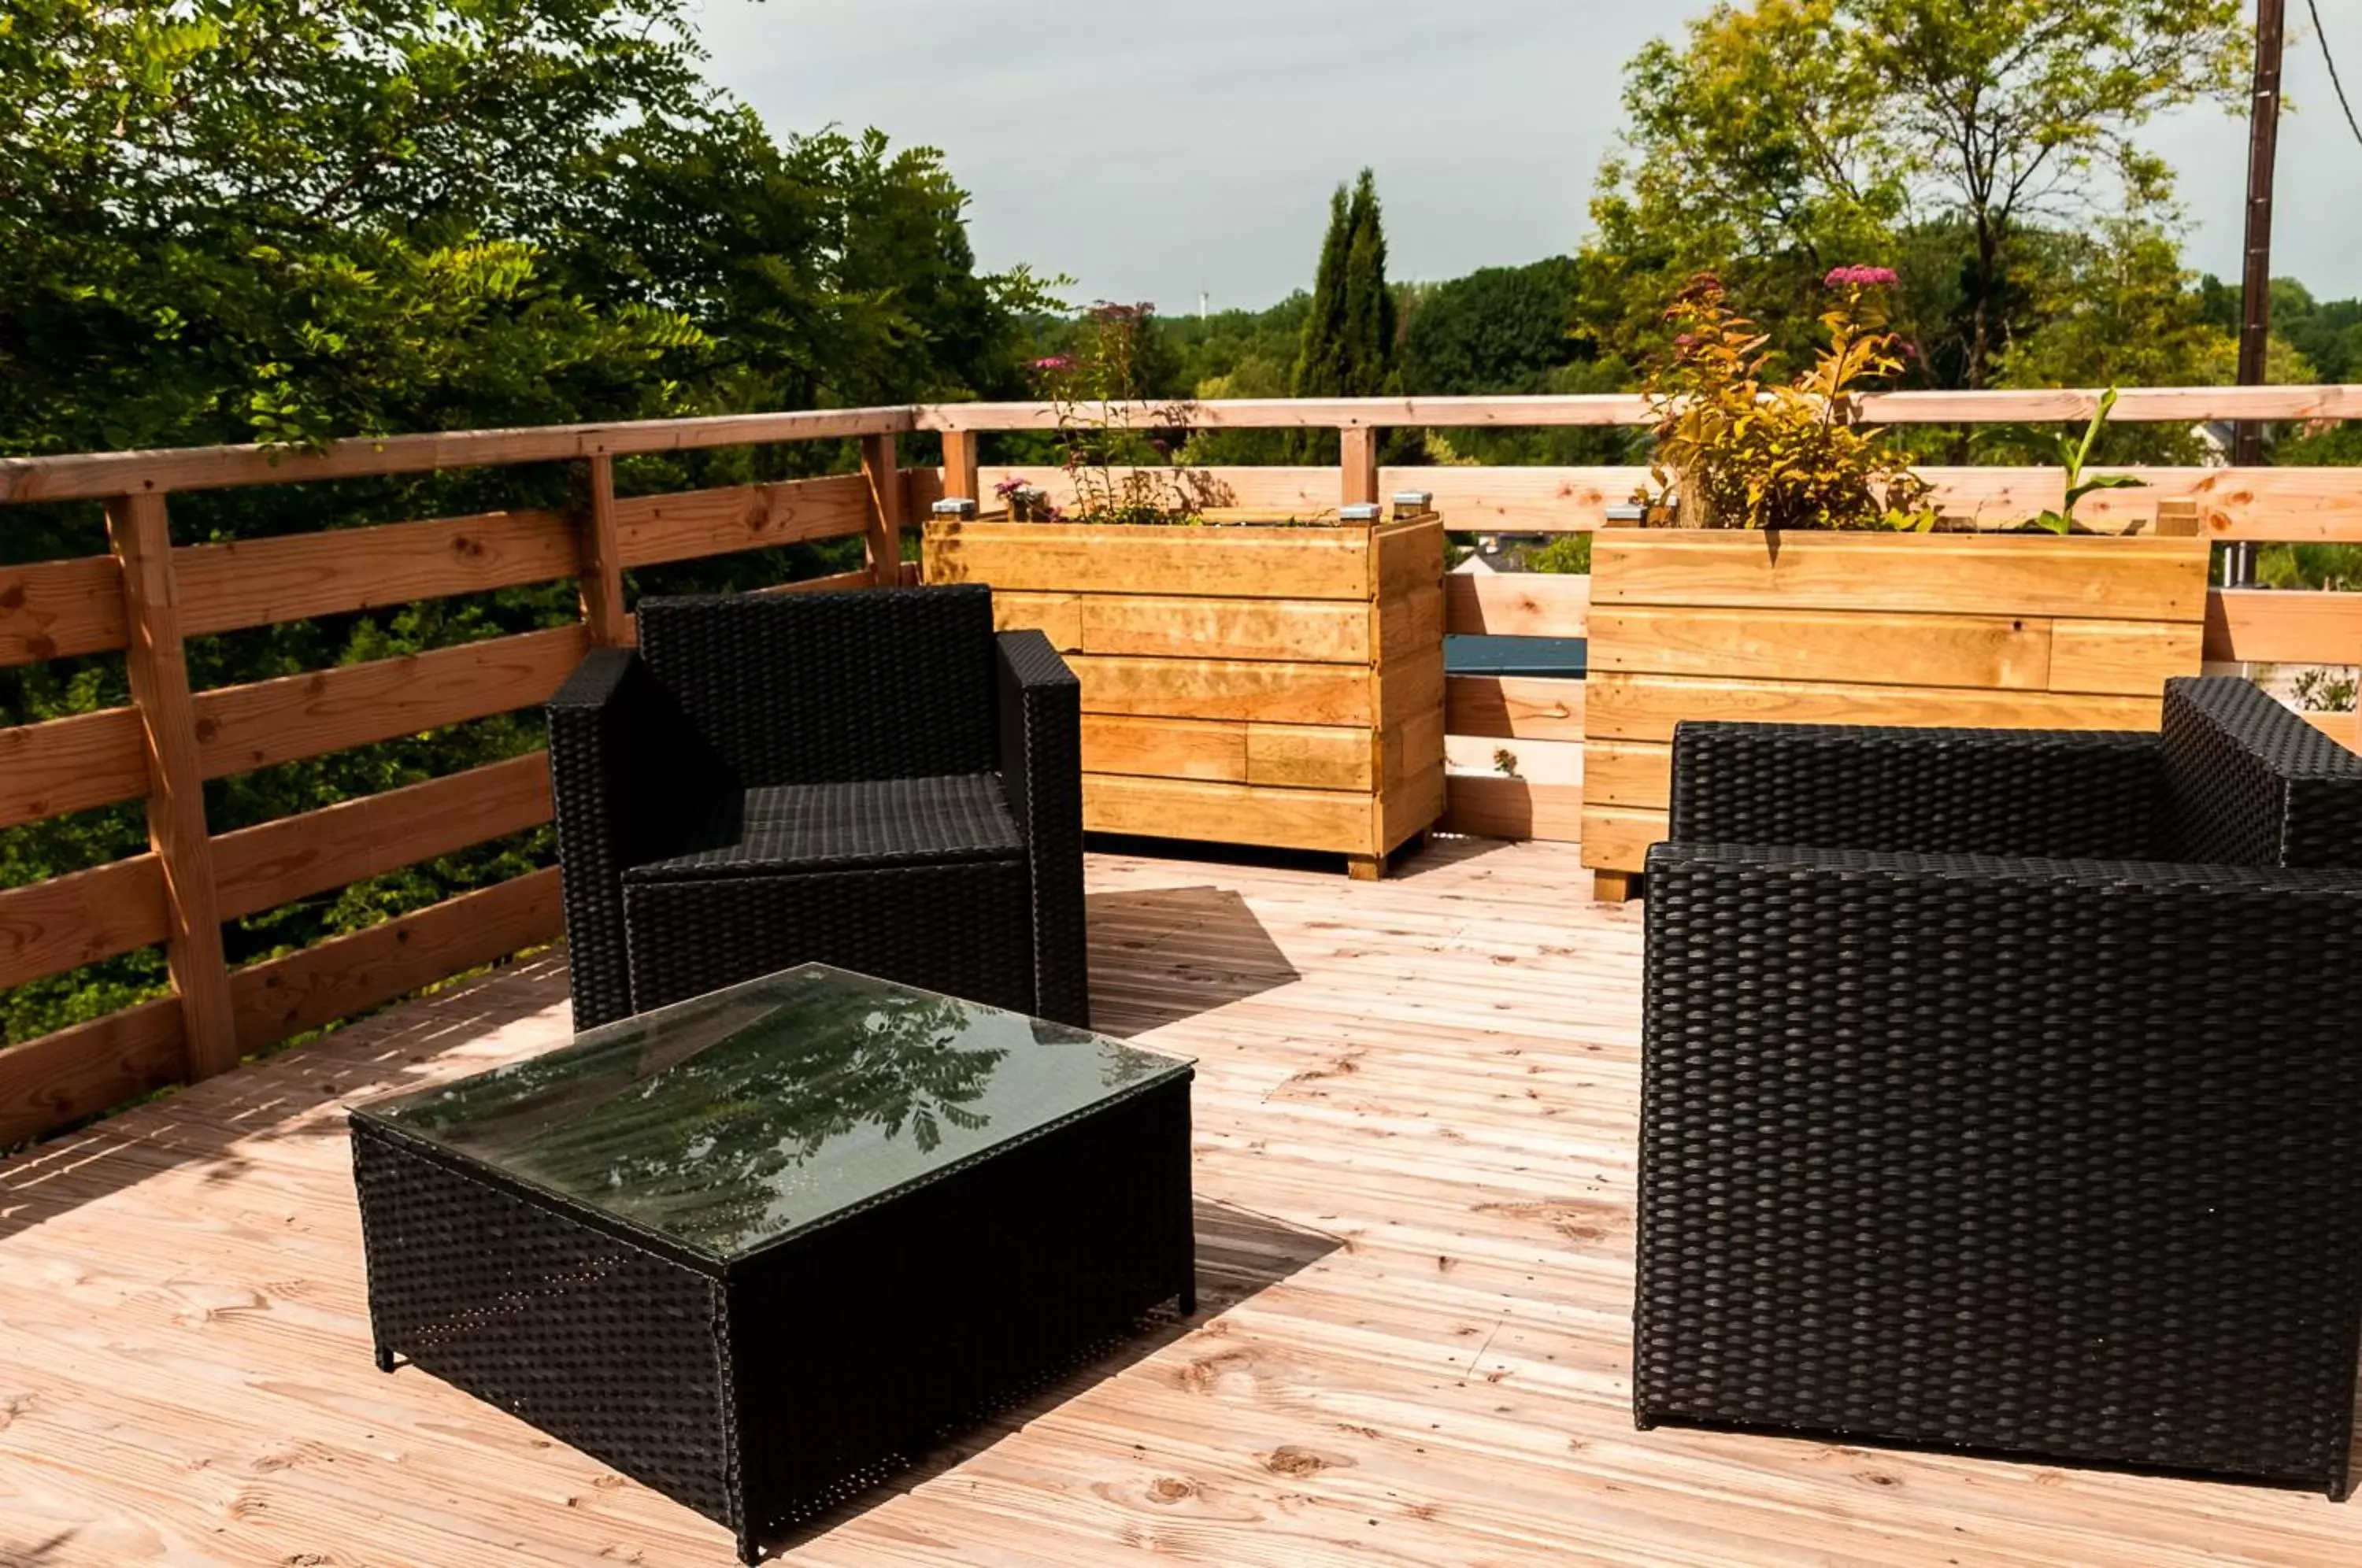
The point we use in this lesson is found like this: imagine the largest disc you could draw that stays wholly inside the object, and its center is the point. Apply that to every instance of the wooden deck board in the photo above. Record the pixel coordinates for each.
(1413, 1129)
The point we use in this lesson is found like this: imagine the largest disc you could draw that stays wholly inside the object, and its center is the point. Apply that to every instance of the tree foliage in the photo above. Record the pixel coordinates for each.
(1947, 138)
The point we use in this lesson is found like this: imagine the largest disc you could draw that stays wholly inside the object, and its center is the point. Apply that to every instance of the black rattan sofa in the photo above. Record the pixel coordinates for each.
(2004, 1090)
(875, 780)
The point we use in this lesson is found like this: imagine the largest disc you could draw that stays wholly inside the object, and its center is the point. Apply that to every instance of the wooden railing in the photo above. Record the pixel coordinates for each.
(147, 595)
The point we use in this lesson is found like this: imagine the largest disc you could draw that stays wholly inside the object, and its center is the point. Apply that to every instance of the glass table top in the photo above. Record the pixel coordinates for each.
(737, 1118)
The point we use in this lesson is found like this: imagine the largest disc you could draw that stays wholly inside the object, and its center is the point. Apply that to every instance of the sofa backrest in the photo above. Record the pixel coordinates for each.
(826, 688)
(2247, 782)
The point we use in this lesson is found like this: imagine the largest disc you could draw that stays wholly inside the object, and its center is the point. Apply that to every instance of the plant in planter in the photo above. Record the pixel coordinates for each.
(1272, 680)
(1807, 579)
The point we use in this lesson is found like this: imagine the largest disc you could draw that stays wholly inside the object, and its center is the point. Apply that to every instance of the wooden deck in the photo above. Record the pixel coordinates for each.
(1414, 1123)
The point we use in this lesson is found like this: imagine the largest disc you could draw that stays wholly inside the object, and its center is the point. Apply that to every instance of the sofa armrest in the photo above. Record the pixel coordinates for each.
(626, 775)
(2087, 793)
(1041, 708)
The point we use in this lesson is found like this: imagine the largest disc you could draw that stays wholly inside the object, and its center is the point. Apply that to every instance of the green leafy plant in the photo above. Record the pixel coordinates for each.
(1119, 453)
(2073, 455)
(1738, 449)
(2325, 690)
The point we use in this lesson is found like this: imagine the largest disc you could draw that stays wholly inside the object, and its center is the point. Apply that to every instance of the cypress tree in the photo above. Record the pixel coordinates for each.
(1348, 348)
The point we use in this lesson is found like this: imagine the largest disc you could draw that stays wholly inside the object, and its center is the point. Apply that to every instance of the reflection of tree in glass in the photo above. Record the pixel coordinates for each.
(697, 1140)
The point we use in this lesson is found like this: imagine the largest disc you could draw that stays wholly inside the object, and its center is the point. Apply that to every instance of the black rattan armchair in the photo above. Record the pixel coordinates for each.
(2004, 1090)
(870, 779)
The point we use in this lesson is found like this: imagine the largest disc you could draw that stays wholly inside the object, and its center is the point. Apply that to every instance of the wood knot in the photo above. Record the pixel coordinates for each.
(1289, 1460)
(1170, 1489)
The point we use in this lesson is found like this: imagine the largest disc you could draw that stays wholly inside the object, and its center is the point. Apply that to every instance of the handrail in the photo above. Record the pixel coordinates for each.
(98, 475)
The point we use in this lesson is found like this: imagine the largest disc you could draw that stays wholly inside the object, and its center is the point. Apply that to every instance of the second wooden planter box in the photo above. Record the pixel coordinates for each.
(1999, 630)
(1277, 685)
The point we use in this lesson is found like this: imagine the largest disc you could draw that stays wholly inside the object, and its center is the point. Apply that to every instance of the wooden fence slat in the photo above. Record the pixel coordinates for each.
(95, 475)
(1357, 465)
(834, 582)
(58, 609)
(2267, 625)
(1512, 808)
(1516, 604)
(346, 975)
(243, 727)
(689, 525)
(258, 582)
(70, 764)
(1510, 707)
(47, 928)
(85, 1070)
(158, 678)
(278, 862)
(882, 483)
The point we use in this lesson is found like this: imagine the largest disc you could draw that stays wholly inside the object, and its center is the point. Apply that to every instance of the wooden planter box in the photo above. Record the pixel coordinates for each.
(1277, 685)
(1999, 629)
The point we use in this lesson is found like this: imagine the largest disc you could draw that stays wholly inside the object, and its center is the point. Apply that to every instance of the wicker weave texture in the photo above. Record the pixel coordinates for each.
(2055, 1156)
(1938, 791)
(588, 1338)
(2249, 783)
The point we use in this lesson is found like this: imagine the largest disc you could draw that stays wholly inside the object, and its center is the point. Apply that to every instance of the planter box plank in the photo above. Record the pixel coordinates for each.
(2007, 575)
(1861, 647)
(1620, 707)
(1637, 774)
(1335, 821)
(1516, 604)
(1225, 688)
(2120, 658)
(1298, 757)
(1168, 748)
(1251, 563)
(1246, 684)
(1306, 631)
(2018, 630)
(1517, 707)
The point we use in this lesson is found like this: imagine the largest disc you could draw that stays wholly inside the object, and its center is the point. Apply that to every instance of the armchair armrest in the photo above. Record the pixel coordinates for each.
(1041, 708)
(1961, 791)
(626, 775)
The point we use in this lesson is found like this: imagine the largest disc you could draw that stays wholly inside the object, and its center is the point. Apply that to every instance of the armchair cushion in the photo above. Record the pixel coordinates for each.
(849, 826)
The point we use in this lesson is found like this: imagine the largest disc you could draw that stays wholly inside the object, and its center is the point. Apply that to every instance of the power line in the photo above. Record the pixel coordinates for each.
(2331, 60)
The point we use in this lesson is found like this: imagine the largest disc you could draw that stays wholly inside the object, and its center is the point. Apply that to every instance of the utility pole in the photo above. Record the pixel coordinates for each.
(2256, 285)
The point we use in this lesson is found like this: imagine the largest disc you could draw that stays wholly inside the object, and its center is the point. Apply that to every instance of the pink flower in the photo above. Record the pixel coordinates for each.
(1050, 362)
(1859, 277)
(1007, 488)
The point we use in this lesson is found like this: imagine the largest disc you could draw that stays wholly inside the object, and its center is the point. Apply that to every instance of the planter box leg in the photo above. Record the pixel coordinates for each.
(1366, 867)
(1615, 887)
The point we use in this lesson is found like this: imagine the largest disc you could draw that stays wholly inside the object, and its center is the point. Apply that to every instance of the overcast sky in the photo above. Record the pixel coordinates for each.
(1161, 153)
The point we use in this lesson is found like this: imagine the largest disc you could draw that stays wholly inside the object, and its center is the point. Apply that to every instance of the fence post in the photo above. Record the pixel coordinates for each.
(960, 479)
(1357, 451)
(140, 533)
(600, 578)
(885, 510)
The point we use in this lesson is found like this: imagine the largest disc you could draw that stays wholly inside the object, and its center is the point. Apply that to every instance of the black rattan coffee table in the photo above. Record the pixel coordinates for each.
(760, 1249)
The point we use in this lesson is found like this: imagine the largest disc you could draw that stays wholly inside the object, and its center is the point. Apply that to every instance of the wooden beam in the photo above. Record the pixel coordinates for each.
(1494, 807)
(694, 524)
(91, 476)
(1358, 465)
(58, 609)
(1516, 604)
(82, 1070)
(70, 764)
(2173, 405)
(347, 974)
(278, 862)
(599, 576)
(245, 728)
(884, 480)
(960, 472)
(1510, 707)
(158, 678)
(260, 582)
(2268, 625)
(83, 917)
